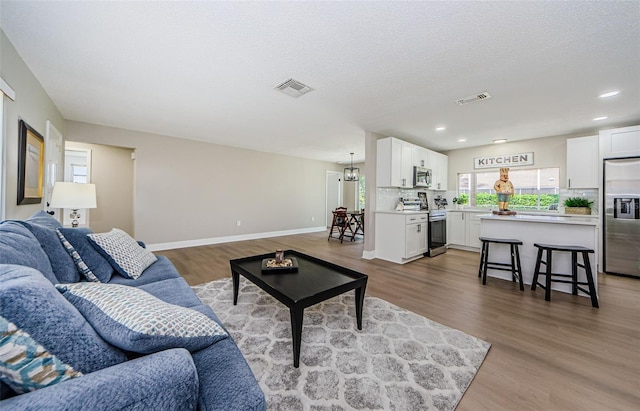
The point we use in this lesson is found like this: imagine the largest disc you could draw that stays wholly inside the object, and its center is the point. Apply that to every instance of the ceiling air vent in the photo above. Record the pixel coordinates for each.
(294, 88)
(472, 99)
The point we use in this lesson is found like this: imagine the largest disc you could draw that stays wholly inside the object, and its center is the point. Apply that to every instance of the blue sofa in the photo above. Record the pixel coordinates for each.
(32, 260)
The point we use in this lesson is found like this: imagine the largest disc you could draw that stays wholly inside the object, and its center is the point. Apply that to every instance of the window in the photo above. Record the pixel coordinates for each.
(361, 193)
(78, 173)
(534, 189)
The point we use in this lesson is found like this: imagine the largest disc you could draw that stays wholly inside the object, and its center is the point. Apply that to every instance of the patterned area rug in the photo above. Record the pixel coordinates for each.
(398, 361)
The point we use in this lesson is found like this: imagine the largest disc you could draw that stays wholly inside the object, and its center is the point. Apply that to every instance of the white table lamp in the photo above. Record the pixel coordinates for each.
(74, 196)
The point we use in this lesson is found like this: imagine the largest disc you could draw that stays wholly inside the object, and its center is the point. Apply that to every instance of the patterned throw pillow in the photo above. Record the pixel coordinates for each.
(79, 262)
(87, 254)
(123, 252)
(136, 321)
(27, 366)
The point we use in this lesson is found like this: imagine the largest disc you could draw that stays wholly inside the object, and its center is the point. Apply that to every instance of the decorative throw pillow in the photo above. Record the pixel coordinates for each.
(134, 320)
(27, 366)
(90, 263)
(34, 305)
(123, 252)
(63, 264)
(77, 260)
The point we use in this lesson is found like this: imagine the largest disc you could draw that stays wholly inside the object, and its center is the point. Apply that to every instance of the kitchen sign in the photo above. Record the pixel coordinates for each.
(509, 160)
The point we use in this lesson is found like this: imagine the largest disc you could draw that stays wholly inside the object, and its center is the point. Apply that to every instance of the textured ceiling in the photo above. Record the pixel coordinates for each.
(207, 70)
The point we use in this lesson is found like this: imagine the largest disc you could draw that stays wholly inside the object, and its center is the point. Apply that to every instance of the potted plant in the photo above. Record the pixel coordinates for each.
(459, 201)
(577, 205)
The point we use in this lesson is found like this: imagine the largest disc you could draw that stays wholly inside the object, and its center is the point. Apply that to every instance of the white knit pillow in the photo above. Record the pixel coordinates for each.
(123, 252)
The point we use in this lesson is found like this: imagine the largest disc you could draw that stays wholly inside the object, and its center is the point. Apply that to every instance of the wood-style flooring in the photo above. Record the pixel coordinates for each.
(557, 355)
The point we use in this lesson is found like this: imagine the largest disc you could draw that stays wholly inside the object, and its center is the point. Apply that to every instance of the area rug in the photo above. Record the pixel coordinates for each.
(398, 361)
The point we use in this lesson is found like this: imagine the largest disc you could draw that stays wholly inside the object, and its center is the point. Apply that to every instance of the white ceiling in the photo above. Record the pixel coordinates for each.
(207, 70)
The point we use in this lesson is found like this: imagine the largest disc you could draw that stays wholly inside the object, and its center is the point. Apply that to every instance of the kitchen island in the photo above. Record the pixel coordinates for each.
(543, 229)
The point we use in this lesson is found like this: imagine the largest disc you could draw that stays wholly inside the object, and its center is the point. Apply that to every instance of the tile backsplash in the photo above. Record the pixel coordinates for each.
(590, 194)
(387, 198)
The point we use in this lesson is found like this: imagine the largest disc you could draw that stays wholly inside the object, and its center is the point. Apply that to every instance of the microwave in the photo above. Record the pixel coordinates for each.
(422, 177)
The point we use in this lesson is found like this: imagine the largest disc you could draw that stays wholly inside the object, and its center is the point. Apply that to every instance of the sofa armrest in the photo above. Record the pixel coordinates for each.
(166, 380)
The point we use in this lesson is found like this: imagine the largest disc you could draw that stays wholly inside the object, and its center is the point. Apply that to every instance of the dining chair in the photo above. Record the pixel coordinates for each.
(340, 224)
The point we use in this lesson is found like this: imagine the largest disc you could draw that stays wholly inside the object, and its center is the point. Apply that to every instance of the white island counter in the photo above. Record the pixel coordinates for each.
(532, 229)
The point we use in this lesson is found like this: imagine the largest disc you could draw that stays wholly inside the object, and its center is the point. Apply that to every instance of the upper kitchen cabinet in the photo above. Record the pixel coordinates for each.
(394, 165)
(439, 166)
(620, 142)
(582, 162)
(421, 156)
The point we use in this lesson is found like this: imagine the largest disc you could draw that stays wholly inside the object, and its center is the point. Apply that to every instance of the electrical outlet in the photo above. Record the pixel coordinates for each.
(238, 223)
(313, 219)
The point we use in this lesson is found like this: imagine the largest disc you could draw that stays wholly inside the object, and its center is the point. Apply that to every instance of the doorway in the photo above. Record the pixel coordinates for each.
(77, 169)
(334, 194)
(111, 169)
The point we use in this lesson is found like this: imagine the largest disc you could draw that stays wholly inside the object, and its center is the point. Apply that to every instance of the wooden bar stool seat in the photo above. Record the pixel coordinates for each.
(514, 266)
(558, 277)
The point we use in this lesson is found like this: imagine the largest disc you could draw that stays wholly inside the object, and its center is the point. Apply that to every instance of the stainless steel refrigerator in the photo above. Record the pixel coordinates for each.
(621, 231)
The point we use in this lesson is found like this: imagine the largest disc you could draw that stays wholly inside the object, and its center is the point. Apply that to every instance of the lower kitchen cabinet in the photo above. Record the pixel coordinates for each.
(463, 229)
(473, 230)
(415, 239)
(455, 227)
(401, 237)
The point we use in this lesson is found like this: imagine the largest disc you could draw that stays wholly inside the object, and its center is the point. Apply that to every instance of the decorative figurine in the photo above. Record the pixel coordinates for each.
(279, 256)
(504, 189)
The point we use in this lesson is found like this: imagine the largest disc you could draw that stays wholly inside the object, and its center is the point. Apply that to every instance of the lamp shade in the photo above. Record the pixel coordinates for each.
(73, 195)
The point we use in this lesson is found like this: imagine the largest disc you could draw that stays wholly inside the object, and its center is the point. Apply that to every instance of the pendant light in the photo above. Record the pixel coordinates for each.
(351, 173)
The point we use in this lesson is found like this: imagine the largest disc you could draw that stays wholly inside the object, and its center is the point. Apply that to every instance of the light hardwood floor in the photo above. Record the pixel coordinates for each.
(557, 355)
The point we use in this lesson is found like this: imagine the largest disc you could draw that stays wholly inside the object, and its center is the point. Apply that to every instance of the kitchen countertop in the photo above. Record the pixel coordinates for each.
(403, 212)
(535, 213)
(541, 219)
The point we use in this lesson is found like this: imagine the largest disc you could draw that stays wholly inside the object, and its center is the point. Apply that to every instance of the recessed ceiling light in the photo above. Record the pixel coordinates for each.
(440, 128)
(500, 140)
(609, 94)
(462, 140)
(600, 118)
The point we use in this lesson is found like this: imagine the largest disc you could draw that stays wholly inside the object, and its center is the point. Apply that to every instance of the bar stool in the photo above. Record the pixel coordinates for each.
(586, 265)
(514, 267)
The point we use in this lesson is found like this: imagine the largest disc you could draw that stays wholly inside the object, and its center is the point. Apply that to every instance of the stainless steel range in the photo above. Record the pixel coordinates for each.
(437, 232)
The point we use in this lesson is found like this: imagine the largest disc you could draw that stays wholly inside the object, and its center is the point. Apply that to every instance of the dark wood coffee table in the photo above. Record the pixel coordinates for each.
(315, 281)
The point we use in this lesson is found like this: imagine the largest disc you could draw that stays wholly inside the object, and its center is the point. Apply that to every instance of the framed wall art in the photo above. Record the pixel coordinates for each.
(30, 164)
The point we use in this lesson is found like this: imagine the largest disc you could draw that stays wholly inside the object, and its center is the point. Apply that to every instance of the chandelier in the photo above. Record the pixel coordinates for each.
(351, 173)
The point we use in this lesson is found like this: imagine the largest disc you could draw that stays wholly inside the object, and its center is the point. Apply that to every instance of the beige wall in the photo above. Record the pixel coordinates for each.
(32, 105)
(547, 152)
(187, 190)
(112, 171)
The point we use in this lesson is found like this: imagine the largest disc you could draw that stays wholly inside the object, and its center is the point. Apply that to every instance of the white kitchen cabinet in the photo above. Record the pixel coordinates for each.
(401, 237)
(394, 163)
(620, 142)
(472, 234)
(440, 170)
(463, 229)
(421, 156)
(455, 227)
(416, 236)
(582, 162)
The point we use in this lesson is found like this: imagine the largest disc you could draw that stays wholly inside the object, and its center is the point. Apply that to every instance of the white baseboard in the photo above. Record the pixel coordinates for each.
(230, 239)
(369, 255)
